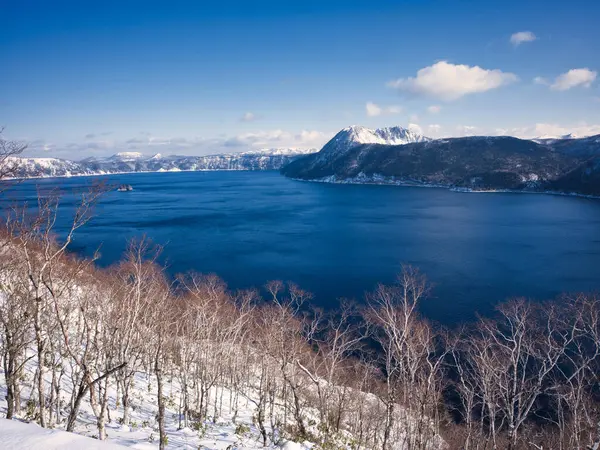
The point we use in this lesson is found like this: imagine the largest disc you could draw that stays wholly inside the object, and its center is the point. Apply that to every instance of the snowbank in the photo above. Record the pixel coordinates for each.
(24, 436)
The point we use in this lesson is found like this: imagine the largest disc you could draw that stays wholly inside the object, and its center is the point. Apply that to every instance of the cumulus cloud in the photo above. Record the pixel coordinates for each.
(522, 36)
(447, 81)
(537, 130)
(249, 117)
(434, 109)
(573, 78)
(415, 128)
(433, 130)
(374, 110)
(541, 80)
(279, 138)
(37, 147)
(556, 130)
(467, 130)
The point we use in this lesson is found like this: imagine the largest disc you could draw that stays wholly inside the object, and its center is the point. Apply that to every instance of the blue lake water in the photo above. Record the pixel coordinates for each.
(341, 240)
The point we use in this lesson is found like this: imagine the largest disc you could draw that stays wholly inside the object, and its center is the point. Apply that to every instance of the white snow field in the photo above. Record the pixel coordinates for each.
(217, 433)
(25, 436)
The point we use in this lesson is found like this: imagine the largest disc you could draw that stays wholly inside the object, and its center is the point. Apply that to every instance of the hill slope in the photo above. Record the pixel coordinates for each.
(267, 159)
(478, 163)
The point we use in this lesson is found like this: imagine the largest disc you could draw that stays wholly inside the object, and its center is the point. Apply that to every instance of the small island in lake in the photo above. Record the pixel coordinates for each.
(124, 188)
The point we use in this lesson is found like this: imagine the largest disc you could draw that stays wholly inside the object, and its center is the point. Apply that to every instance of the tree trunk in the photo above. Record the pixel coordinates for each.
(9, 375)
(10, 398)
(126, 400)
(75, 408)
(103, 410)
(389, 421)
(40, 362)
(161, 408)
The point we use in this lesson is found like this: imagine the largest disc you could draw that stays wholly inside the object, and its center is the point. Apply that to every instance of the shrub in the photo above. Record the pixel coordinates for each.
(242, 429)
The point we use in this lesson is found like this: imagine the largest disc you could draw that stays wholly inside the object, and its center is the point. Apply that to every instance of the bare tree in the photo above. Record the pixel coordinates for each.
(411, 362)
(14, 319)
(8, 151)
(43, 257)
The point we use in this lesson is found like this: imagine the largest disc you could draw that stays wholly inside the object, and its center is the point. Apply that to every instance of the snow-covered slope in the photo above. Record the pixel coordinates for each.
(397, 156)
(46, 167)
(281, 151)
(265, 159)
(127, 156)
(355, 135)
(231, 430)
(28, 436)
(344, 145)
(547, 139)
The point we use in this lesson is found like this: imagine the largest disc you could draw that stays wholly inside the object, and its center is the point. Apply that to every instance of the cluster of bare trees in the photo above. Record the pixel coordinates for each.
(529, 377)
(379, 376)
(88, 331)
(9, 150)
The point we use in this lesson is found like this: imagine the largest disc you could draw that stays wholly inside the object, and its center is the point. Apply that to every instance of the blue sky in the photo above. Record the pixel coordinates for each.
(81, 79)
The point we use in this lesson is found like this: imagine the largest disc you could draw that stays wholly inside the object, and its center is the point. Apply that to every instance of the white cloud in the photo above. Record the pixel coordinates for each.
(434, 130)
(413, 118)
(249, 117)
(448, 81)
(415, 128)
(573, 78)
(541, 80)
(555, 130)
(148, 144)
(279, 138)
(522, 36)
(313, 138)
(374, 110)
(434, 109)
(467, 130)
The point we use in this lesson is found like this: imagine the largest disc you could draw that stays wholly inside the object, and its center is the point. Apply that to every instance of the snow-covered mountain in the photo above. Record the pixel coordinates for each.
(128, 156)
(281, 151)
(547, 139)
(399, 156)
(46, 167)
(263, 159)
(355, 135)
(346, 145)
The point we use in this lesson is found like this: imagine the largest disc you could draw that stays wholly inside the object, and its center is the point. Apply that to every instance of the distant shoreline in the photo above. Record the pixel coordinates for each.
(384, 182)
(327, 180)
(49, 177)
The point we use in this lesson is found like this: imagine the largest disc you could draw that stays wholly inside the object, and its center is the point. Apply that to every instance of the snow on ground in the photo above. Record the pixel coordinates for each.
(218, 432)
(25, 436)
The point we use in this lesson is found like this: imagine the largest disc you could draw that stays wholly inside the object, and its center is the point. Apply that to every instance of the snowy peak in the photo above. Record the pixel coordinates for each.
(280, 151)
(124, 162)
(356, 135)
(547, 139)
(127, 156)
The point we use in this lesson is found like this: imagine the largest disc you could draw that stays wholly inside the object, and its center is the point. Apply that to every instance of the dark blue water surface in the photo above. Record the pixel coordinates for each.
(341, 240)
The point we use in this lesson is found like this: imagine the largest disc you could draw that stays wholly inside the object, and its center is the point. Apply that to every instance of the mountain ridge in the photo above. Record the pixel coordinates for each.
(467, 163)
(126, 162)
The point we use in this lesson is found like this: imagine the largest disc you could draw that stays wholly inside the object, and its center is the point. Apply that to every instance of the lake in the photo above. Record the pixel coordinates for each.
(341, 240)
